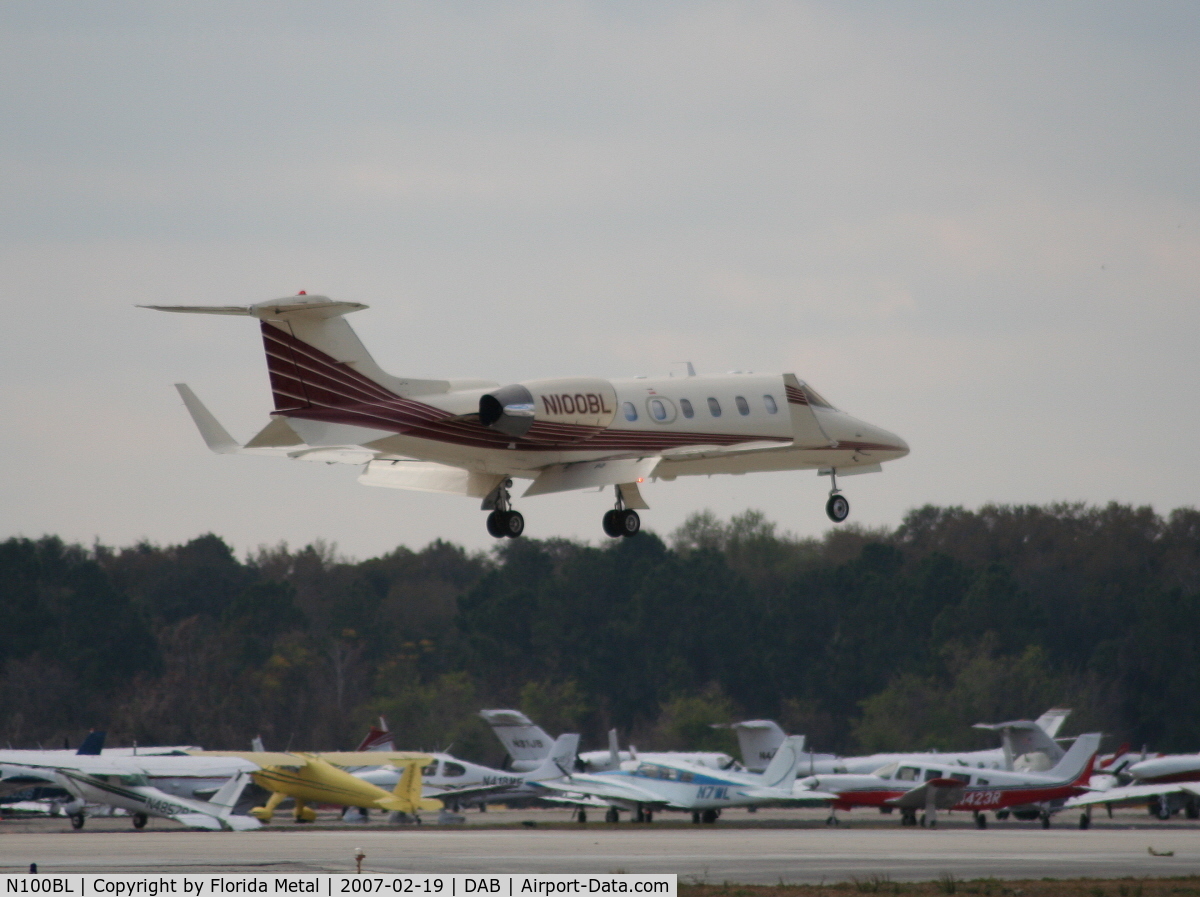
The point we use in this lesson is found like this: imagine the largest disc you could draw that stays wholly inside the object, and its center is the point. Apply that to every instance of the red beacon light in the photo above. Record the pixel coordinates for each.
(302, 293)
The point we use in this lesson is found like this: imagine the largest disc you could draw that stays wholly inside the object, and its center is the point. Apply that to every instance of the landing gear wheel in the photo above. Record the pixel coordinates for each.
(611, 526)
(1045, 817)
(710, 816)
(582, 817)
(1085, 821)
(980, 820)
(630, 523)
(695, 819)
(513, 523)
(77, 820)
(494, 527)
(837, 508)
(612, 815)
(139, 820)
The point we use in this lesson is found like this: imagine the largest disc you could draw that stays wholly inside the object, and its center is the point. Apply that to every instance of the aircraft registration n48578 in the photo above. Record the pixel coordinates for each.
(333, 403)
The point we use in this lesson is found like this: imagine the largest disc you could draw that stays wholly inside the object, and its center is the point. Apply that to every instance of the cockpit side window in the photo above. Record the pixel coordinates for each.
(908, 774)
(815, 398)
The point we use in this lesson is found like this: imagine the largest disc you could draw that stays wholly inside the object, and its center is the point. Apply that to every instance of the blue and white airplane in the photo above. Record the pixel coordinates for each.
(643, 787)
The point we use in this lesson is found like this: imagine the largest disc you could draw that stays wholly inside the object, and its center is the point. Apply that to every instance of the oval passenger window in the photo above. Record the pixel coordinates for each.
(742, 405)
(686, 405)
(630, 411)
(769, 401)
(714, 407)
(658, 410)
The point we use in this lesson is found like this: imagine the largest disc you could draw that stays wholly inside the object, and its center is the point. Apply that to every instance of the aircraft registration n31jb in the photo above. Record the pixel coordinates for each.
(333, 403)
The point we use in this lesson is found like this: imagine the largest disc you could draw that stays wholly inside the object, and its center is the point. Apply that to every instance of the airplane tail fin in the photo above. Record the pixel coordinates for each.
(614, 749)
(758, 740)
(378, 738)
(1022, 738)
(1076, 764)
(407, 793)
(560, 761)
(527, 744)
(228, 794)
(314, 357)
(1051, 721)
(781, 771)
(93, 744)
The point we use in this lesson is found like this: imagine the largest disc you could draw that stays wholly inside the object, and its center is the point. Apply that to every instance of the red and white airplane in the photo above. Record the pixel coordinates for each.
(927, 785)
(333, 403)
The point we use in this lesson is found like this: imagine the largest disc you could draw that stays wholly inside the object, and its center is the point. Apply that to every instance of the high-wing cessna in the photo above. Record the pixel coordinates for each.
(333, 403)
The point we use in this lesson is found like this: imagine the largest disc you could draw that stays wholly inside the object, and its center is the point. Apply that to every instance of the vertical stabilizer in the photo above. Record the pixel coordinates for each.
(758, 740)
(93, 744)
(781, 771)
(527, 744)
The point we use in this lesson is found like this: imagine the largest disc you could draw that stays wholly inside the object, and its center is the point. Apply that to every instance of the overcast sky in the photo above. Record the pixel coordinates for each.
(974, 224)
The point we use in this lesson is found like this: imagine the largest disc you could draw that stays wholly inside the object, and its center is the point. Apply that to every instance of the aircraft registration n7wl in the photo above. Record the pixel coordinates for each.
(333, 403)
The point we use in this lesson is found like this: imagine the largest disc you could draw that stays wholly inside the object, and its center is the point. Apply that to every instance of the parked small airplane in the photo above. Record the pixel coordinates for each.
(528, 746)
(1166, 784)
(322, 778)
(925, 785)
(676, 784)
(1025, 746)
(120, 782)
(333, 403)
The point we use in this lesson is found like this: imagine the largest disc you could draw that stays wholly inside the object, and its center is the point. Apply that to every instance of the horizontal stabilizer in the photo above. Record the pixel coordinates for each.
(203, 309)
(216, 437)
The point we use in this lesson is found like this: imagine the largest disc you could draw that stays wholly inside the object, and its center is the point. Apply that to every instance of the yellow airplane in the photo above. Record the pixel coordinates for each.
(316, 778)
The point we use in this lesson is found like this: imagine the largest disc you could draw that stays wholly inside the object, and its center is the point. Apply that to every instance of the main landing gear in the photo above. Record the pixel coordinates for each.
(503, 521)
(837, 508)
(621, 521)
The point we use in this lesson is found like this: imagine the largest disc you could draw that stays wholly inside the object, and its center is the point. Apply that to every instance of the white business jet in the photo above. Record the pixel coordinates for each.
(333, 403)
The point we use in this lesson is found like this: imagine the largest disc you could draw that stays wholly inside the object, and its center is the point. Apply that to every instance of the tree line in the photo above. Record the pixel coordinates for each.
(863, 639)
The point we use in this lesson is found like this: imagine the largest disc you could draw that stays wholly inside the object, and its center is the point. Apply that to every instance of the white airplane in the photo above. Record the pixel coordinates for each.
(1167, 784)
(528, 745)
(675, 784)
(931, 784)
(1026, 746)
(122, 782)
(333, 403)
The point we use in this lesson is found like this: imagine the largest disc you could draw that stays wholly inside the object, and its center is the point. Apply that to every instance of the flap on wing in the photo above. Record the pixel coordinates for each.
(428, 476)
(583, 474)
(944, 792)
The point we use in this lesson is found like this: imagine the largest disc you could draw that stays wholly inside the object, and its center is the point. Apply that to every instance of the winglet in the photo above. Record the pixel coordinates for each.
(216, 437)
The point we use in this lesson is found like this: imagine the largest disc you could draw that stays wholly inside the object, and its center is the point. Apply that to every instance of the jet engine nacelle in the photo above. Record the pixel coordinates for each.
(567, 410)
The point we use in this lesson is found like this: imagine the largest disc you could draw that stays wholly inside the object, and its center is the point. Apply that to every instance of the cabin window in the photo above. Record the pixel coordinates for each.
(963, 777)
(658, 410)
(630, 411)
(450, 770)
(981, 781)
(686, 405)
(714, 407)
(430, 770)
(931, 774)
(908, 774)
(686, 777)
(743, 406)
(769, 401)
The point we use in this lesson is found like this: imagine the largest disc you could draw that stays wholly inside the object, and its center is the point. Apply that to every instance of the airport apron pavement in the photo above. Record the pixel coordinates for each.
(734, 855)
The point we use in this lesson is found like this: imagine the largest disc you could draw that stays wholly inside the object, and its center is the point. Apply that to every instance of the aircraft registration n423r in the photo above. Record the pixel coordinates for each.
(333, 403)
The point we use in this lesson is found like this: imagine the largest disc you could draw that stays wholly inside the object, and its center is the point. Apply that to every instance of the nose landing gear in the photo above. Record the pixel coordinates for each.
(621, 521)
(503, 521)
(837, 508)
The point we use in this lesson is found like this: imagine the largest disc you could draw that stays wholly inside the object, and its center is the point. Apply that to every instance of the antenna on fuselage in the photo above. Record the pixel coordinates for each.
(691, 369)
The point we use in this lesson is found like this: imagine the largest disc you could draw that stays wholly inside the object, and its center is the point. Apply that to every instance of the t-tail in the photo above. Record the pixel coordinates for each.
(378, 738)
(527, 744)
(758, 740)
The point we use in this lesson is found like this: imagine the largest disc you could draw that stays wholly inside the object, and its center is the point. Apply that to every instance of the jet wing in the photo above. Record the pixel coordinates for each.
(945, 793)
(606, 791)
(700, 452)
(1125, 793)
(261, 759)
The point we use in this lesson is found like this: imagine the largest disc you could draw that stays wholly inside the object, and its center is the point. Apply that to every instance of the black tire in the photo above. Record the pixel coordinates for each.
(77, 820)
(695, 818)
(612, 815)
(1191, 809)
(513, 523)
(582, 815)
(630, 523)
(1085, 821)
(611, 527)
(980, 820)
(139, 820)
(494, 526)
(837, 508)
(1045, 820)
(710, 816)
